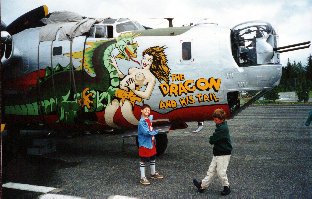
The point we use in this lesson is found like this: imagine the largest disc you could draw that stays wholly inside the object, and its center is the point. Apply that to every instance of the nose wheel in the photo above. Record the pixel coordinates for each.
(161, 143)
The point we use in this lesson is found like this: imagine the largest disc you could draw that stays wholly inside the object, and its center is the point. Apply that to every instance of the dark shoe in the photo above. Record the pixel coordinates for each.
(198, 186)
(226, 191)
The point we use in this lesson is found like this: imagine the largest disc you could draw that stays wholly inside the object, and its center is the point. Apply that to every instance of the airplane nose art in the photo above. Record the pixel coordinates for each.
(131, 52)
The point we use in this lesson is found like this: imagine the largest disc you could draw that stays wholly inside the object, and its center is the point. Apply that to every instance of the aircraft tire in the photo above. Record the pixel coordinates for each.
(10, 147)
(161, 143)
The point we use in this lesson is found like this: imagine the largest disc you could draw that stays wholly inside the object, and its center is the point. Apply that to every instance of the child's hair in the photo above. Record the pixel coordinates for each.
(219, 113)
(145, 106)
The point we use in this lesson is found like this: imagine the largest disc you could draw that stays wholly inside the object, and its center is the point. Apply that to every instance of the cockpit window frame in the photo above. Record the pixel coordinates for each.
(107, 31)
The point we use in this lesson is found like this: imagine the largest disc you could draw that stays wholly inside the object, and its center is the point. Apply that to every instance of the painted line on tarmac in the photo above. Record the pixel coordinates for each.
(58, 196)
(46, 190)
(120, 197)
(28, 187)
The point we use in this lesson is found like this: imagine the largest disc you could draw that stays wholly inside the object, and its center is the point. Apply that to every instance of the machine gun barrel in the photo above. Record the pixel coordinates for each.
(292, 47)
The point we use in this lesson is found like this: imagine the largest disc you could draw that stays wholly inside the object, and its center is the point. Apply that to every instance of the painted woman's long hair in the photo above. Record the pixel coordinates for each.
(159, 68)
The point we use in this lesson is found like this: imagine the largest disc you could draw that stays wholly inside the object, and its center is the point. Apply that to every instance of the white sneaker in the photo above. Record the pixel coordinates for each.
(144, 181)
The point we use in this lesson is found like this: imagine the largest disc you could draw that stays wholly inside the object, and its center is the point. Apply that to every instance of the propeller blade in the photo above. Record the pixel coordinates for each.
(30, 19)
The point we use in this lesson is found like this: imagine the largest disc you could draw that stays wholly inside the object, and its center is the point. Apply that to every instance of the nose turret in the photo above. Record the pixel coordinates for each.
(253, 43)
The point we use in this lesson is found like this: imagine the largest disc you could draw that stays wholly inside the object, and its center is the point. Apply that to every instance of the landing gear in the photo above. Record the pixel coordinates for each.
(11, 145)
(200, 127)
(233, 101)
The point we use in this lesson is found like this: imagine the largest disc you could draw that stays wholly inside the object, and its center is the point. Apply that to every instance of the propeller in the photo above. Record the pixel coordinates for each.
(2, 26)
(30, 19)
(5, 41)
(6, 44)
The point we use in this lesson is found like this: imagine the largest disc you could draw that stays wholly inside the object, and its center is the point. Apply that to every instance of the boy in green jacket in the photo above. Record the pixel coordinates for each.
(222, 149)
(308, 122)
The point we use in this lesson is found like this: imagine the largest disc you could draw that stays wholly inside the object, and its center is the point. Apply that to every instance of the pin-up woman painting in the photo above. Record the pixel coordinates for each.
(138, 84)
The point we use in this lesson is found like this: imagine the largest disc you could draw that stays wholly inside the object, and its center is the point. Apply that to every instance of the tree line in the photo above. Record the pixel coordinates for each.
(296, 77)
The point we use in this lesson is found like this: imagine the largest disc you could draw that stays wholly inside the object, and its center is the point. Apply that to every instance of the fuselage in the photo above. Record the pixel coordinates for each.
(183, 73)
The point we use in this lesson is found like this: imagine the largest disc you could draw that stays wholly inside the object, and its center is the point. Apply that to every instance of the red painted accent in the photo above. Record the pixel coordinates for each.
(26, 81)
(51, 119)
(31, 119)
(23, 119)
(119, 120)
(100, 117)
(192, 113)
(187, 114)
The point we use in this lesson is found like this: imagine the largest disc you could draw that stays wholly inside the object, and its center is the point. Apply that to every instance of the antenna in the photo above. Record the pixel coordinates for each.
(170, 21)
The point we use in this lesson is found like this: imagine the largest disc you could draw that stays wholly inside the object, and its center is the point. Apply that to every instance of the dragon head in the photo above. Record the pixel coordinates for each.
(126, 46)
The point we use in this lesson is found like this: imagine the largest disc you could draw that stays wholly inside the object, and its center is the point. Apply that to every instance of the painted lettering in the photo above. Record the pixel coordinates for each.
(207, 97)
(177, 77)
(189, 86)
(186, 85)
(167, 104)
(184, 101)
(164, 89)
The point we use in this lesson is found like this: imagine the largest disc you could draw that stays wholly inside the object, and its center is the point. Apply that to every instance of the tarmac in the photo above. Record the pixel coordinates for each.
(272, 158)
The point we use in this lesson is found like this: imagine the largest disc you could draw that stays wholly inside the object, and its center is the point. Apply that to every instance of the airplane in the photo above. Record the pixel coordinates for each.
(66, 72)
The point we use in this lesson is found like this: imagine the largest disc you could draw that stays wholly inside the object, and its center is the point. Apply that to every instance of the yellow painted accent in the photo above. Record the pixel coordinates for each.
(86, 98)
(46, 10)
(2, 127)
(127, 95)
(77, 55)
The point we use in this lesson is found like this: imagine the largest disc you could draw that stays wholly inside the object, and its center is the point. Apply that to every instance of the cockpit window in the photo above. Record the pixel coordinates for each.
(109, 21)
(127, 26)
(140, 27)
(186, 51)
(122, 19)
(100, 32)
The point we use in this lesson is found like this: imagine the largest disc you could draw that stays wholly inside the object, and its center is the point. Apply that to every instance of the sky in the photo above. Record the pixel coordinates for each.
(290, 19)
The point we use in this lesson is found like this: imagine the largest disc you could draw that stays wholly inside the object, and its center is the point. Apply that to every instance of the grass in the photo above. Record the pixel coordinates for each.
(271, 102)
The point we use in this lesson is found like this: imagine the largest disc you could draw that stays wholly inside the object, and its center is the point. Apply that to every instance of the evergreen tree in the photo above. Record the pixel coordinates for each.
(287, 70)
(283, 86)
(309, 69)
(309, 73)
(272, 95)
(295, 77)
(302, 85)
(302, 91)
